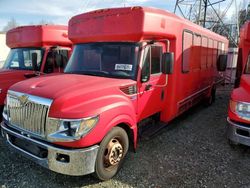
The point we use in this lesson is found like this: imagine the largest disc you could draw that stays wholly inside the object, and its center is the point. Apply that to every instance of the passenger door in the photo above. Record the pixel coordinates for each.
(152, 83)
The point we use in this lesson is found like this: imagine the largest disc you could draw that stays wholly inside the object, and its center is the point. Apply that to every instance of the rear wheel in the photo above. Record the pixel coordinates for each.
(112, 151)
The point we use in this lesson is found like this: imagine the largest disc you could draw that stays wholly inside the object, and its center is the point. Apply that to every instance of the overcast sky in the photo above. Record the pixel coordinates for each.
(60, 11)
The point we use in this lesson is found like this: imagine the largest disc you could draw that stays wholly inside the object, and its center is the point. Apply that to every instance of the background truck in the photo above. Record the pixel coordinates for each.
(130, 68)
(4, 49)
(35, 50)
(238, 129)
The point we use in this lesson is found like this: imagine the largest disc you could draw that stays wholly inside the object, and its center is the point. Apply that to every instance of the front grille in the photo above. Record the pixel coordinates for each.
(27, 112)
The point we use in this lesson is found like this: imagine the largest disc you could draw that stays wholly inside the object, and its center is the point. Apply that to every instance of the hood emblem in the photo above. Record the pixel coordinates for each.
(24, 99)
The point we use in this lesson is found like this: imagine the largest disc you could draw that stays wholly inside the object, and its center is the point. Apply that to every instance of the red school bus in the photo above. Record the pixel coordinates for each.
(34, 49)
(238, 131)
(129, 66)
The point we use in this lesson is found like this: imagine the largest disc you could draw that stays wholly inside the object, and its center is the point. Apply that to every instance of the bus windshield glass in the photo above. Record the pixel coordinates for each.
(115, 60)
(21, 58)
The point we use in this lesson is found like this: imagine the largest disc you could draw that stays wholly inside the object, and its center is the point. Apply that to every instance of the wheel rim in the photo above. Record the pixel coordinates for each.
(113, 154)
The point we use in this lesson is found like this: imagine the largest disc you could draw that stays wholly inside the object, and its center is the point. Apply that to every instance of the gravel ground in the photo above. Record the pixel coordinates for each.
(192, 153)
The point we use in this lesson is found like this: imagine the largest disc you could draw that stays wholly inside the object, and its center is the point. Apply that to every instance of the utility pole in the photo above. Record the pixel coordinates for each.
(205, 13)
(198, 21)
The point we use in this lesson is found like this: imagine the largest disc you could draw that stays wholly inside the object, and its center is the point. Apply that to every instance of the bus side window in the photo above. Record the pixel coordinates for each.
(210, 53)
(204, 52)
(186, 51)
(215, 53)
(247, 70)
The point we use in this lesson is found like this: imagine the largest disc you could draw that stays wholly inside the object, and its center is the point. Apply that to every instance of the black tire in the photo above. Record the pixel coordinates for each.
(116, 139)
(211, 99)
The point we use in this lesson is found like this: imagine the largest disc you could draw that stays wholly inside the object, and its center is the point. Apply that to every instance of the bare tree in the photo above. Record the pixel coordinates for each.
(10, 25)
(45, 22)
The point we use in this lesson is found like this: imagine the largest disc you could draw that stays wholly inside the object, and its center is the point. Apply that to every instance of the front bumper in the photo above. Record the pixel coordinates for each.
(74, 162)
(238, 133)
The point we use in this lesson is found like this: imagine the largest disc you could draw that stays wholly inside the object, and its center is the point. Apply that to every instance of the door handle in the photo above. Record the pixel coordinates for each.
(148, 87)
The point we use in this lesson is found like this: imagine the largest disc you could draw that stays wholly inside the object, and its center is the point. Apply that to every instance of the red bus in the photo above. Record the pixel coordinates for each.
(238, 131)
(130, 67)
(33, 52)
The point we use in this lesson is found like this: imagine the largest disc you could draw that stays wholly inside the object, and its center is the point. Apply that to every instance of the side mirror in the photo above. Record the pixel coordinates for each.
(34, 61)
(222, 63)
(168, 63)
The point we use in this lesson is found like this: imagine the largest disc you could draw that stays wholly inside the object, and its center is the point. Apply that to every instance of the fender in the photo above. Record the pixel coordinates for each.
(120, 112)
(124, 119)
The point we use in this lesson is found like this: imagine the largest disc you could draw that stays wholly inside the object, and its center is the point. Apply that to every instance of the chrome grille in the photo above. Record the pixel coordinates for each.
(27, 112)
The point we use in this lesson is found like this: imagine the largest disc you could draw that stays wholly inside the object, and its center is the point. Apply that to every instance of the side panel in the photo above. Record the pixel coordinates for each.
(193, 80)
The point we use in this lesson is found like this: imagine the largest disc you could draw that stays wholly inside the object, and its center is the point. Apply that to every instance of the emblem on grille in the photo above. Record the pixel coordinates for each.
(23, 99)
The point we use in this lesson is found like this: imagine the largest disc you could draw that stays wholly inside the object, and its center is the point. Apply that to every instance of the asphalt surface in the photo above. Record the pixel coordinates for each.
(191, 152)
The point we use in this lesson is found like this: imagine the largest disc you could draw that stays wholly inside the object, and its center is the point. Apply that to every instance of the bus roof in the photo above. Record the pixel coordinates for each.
(130, 24)
(38, 36)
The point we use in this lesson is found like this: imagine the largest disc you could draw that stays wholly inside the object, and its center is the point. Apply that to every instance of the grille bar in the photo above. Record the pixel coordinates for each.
(28, 112)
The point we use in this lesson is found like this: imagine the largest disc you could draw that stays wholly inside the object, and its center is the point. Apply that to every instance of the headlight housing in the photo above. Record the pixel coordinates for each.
(241, 109)
(73, 129)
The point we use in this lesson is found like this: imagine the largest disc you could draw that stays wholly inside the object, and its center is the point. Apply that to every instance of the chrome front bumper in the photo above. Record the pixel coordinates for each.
(79, 161)
(238, 133)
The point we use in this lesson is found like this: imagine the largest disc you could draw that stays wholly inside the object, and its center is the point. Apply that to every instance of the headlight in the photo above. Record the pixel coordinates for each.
(70, 130)
(241, 109)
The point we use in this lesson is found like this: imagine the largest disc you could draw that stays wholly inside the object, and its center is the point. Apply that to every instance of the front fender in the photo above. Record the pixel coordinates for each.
(120, 112)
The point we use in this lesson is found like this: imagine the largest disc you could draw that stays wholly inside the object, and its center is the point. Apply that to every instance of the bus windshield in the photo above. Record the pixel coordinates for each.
(116, 60)
(21, 58)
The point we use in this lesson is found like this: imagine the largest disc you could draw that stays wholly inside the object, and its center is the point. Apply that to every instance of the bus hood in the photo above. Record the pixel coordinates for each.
(72, 93)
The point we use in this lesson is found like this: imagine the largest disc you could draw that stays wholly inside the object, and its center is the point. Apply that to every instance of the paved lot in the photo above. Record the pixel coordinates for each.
(193, 153)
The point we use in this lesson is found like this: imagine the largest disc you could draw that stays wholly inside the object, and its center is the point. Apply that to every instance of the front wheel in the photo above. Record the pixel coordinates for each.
(112, 151)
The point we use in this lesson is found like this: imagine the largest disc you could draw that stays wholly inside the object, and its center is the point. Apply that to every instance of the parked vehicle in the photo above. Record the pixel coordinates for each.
(238, 131)
(35, 50)
(130, 67)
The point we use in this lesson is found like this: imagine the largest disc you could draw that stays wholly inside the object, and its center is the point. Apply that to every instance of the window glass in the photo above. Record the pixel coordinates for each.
(210, 53)
(21, 58)
(145, 73)
(196, 52)
(204, 53)
(215, 53)
(156, 54)
(247, 70)
(186, 56)
(116, 60)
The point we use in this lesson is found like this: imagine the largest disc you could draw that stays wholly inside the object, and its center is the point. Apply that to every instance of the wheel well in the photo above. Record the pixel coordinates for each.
(130, 134)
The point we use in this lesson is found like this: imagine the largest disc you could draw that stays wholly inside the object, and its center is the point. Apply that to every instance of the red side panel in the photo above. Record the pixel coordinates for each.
(37, 36)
